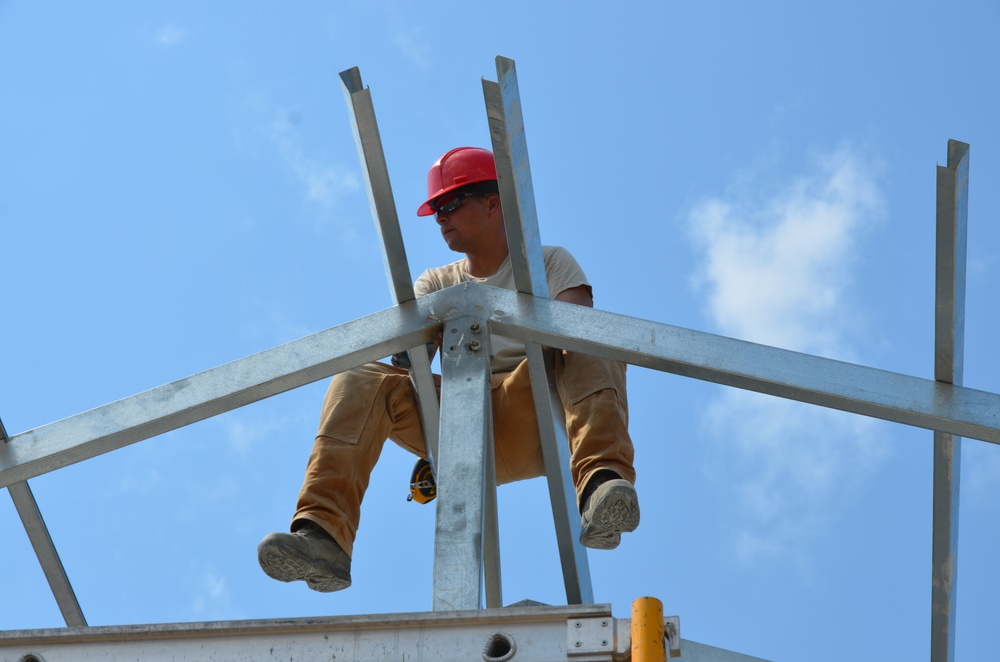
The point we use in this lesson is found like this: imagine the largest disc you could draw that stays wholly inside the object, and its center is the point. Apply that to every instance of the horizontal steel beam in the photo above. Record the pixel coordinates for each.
(539, 633)
(218, 390)
(849, 387)
(575, 633)
(858, 389)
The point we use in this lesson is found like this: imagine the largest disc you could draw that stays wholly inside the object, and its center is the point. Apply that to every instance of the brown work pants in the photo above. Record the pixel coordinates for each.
(367, 405)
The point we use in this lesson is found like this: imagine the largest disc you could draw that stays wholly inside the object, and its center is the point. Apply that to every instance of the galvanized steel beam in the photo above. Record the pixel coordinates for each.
(45, 549)
(466, 444)
(48, 556)
(949, 350)
(577, 633)
(510, 151)
(858, 389)
(397, 269)
(220, 389)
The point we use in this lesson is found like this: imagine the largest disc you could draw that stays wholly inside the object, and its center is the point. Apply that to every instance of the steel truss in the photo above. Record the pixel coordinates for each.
(466, 542)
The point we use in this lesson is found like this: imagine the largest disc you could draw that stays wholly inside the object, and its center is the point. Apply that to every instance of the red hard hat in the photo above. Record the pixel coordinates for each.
(459, 167)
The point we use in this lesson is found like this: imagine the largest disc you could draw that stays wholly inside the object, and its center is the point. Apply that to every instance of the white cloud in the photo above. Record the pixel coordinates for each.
(778, 269)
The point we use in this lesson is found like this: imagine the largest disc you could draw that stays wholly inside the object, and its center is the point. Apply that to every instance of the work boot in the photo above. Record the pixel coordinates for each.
(609, 509)
(309, 554)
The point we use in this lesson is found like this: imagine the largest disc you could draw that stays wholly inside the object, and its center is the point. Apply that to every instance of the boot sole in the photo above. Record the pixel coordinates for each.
(286, 565)
(615, 512)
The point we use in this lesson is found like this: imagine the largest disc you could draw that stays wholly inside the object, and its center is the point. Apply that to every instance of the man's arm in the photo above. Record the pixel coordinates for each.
(579, 295)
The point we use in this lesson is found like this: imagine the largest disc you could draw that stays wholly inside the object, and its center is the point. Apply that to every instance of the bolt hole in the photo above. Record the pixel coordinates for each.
(499, 648)
(31, 657)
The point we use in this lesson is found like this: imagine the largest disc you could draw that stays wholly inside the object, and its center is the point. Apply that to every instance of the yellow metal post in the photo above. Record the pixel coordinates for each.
(647, 631)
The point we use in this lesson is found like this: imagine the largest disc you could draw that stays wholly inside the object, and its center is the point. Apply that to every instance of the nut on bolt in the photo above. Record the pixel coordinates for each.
(474, 345)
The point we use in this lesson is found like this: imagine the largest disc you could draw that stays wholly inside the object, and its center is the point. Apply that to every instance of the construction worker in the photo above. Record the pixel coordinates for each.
(367, 405)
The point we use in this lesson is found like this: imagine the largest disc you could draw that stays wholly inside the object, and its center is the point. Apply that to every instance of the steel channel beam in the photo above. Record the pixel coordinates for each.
(556, 457)
(45, 549)
(492, 576)
(466, 443)
(575, 633)
(48, 557)
(539, 634)
(397, 269)
(858, 389)
(510, 150)
(221, 389)
(949, 351)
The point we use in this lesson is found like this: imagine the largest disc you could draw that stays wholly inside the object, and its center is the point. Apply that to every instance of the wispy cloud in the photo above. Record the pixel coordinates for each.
(170, 34)
(322, 183)
(212, 597)
(981, 474)
(778, 269)
(270, 131)
(415, 47)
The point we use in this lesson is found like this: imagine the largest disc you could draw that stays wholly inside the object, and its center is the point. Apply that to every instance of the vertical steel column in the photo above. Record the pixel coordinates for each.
(510, 150)
(949, 349)
(397, 269)
(463, 466)
(45, 549)
(380, 199)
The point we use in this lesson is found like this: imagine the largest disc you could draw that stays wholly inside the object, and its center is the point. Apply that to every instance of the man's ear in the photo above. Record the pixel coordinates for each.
(493, 204)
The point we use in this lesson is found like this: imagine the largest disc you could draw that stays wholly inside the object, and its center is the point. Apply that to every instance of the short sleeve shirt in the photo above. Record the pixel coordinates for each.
(561, 271)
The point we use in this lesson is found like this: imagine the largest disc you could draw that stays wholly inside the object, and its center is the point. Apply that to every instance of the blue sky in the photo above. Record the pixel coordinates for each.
(179, 188)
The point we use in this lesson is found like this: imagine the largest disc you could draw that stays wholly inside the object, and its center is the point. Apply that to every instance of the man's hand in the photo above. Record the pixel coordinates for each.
(402, 360)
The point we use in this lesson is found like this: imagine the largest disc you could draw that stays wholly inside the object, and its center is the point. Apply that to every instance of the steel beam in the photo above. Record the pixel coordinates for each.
(783, 373)
(376, 175)
(45, 549)
(578, 633)
(48, 557)
(220, 389)
(510, 151)
(949, 346)
(891, 396)
(466, 443)
(397, 269)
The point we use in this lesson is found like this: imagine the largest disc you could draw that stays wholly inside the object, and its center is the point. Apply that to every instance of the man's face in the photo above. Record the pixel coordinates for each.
(467, 227)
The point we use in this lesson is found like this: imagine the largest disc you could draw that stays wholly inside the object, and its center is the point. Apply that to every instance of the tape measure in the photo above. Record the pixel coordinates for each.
(423, 489)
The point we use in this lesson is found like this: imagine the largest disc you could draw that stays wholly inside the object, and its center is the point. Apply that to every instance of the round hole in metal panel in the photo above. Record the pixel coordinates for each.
(31, 657)
(500, 648)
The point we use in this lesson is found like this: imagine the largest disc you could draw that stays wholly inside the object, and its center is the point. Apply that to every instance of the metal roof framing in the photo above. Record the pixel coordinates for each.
(467, 315)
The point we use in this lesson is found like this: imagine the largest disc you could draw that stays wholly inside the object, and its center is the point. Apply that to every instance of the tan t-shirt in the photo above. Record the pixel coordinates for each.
(561, 271)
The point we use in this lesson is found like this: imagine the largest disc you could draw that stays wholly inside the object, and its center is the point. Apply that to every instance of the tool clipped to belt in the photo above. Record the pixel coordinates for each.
(423, 489)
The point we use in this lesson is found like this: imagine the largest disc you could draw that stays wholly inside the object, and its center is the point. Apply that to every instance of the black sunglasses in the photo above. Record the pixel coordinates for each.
(454, 203)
